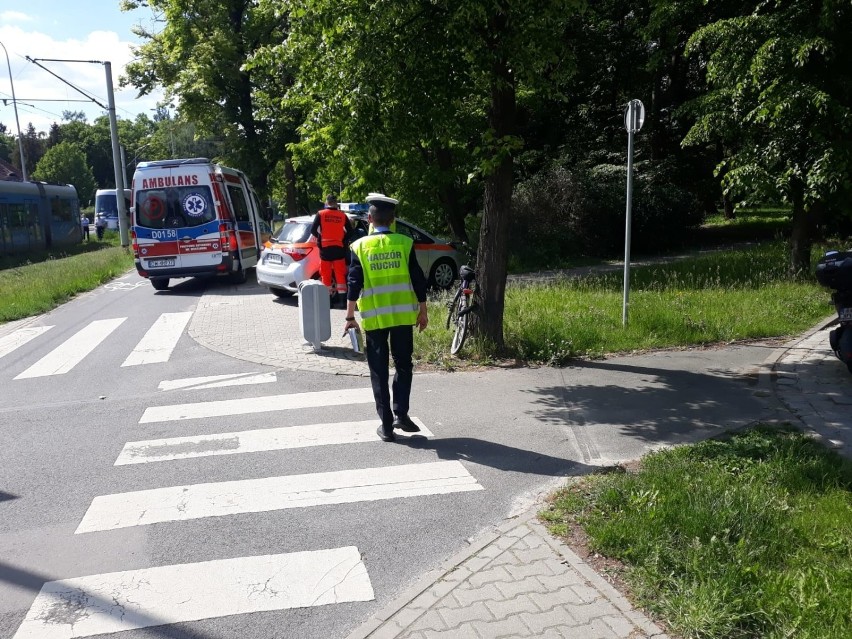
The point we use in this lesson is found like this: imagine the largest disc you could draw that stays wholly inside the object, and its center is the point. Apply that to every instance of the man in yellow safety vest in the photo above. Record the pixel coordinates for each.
(389, 286)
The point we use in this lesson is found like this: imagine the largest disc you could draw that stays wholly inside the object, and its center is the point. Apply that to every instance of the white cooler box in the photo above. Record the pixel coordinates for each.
(314, 312)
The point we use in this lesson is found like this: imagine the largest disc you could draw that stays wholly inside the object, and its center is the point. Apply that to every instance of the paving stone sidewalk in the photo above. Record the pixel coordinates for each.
(517, 581)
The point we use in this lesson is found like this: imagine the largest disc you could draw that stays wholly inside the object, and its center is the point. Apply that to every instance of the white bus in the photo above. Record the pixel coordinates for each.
(106, 206)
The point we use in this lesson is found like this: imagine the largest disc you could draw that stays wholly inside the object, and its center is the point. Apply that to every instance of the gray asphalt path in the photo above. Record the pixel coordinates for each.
(517, 432)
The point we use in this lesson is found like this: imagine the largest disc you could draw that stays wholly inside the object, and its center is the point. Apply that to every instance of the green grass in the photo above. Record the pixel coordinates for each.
(719, 297)
(737, 538)
(749, 225)
(39, 282)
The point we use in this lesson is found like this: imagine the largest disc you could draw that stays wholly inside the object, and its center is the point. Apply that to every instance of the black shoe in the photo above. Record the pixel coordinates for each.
(385, 433)
(404, 423)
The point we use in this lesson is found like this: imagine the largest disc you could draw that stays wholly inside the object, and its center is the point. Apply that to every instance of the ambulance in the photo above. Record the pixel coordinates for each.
(194, 218)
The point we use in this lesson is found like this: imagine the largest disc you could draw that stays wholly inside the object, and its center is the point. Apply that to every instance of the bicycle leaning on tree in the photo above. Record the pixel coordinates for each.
(462, 305)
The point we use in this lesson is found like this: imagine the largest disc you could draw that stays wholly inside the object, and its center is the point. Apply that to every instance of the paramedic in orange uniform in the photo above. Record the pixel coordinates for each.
(333, 232)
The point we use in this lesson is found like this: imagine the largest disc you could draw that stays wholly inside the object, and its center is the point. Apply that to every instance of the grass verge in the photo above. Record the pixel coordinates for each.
(28, 289)
(737, 538)
(720, 297)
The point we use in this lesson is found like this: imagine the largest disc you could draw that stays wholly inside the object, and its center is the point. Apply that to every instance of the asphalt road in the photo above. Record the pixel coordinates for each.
(340, 521)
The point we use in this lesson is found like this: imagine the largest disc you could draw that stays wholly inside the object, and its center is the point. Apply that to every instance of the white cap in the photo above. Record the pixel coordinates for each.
(380, 197)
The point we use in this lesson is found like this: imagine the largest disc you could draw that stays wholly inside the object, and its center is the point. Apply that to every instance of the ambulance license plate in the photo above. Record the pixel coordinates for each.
(156, 263)
(845, 314)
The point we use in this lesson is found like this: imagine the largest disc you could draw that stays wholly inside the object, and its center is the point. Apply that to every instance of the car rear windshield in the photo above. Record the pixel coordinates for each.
(293, 232)
(178, 207)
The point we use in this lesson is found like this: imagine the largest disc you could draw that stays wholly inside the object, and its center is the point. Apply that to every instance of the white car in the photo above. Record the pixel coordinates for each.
(292, 255)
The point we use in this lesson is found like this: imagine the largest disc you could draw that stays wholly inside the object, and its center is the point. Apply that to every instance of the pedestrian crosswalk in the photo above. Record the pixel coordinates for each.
(73, 350)
(155, 346)
(180, 592)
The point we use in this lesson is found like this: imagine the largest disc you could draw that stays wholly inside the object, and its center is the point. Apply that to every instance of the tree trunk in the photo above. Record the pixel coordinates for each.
(290, 186)
(448, 196)
(492, 260)
(801, 236)
(730, 213)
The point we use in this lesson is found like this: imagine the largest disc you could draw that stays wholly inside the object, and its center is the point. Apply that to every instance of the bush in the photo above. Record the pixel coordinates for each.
(559, 213)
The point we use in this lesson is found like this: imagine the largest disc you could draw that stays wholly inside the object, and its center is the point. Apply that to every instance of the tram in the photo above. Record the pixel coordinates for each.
(38, 215)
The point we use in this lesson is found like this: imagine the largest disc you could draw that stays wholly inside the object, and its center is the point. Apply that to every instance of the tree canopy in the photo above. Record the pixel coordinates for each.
(66, 163)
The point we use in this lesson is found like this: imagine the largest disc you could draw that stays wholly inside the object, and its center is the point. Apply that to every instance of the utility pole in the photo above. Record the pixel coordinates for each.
(118, 165)
(113, 130)
(17, 122)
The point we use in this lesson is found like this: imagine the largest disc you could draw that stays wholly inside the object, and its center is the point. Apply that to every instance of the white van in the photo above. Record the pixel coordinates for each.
(107, 207)
(194, 218)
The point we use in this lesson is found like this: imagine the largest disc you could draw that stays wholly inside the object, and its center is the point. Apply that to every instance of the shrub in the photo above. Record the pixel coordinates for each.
(560, 213)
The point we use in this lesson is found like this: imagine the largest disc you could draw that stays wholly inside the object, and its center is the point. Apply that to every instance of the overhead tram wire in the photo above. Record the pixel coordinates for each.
(35, 61)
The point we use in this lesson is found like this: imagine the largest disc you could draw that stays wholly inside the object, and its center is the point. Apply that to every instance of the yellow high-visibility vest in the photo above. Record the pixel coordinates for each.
(387, 299)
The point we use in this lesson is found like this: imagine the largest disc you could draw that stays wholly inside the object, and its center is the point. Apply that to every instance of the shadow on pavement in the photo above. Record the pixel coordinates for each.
(499, 456)
(188, 287)
(654, 405)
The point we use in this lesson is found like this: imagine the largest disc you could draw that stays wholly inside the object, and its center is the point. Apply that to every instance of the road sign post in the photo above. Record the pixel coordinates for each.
(634, 117)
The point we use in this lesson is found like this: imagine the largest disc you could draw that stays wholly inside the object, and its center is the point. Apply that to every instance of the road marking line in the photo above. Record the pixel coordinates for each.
(253, 441)
(249, 405)
(131, 599)
(71, 352)
(218, 381)
(18, 338)
(196, 501)
(160, 340)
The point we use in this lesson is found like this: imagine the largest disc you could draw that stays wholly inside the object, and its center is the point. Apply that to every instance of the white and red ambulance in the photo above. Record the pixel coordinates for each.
(194, 218)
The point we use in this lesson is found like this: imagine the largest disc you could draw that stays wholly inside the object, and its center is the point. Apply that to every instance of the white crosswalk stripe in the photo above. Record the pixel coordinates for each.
(160, 340)
(180, 503)
(71, 352)
(253, 441)
(248, 405)
(218, 381)
(18, 338)
(118, 601)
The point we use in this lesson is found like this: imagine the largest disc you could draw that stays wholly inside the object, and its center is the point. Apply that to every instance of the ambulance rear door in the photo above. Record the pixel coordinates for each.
(245, 218)
(175, 219)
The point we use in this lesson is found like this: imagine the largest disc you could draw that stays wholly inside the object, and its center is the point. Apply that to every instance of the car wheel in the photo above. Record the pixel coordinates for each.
(280, 292)
(443, 274)
(160, 283)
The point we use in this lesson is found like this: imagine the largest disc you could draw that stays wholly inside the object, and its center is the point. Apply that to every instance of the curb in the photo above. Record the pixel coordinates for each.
(770, 373)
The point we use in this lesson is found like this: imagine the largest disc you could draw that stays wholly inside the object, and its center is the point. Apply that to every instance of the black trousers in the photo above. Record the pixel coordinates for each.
(401, 340)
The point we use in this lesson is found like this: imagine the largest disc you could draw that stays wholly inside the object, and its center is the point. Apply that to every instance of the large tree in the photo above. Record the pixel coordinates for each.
(440, 79)
(199, 58)
(780, 83)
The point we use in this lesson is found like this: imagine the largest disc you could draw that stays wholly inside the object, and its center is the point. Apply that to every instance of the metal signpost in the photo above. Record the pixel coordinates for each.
(634, 117)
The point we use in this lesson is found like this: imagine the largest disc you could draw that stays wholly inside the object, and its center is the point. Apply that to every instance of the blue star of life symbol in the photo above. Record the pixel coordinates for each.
(194, 204)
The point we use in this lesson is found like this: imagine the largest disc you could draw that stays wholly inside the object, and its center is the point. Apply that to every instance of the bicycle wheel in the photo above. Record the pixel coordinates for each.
(451, 308)
(461, 314)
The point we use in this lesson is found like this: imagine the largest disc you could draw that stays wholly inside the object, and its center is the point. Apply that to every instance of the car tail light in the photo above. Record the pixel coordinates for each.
(297, 253)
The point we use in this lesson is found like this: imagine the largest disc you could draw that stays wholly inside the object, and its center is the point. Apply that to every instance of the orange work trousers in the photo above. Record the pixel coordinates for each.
(338, 267)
